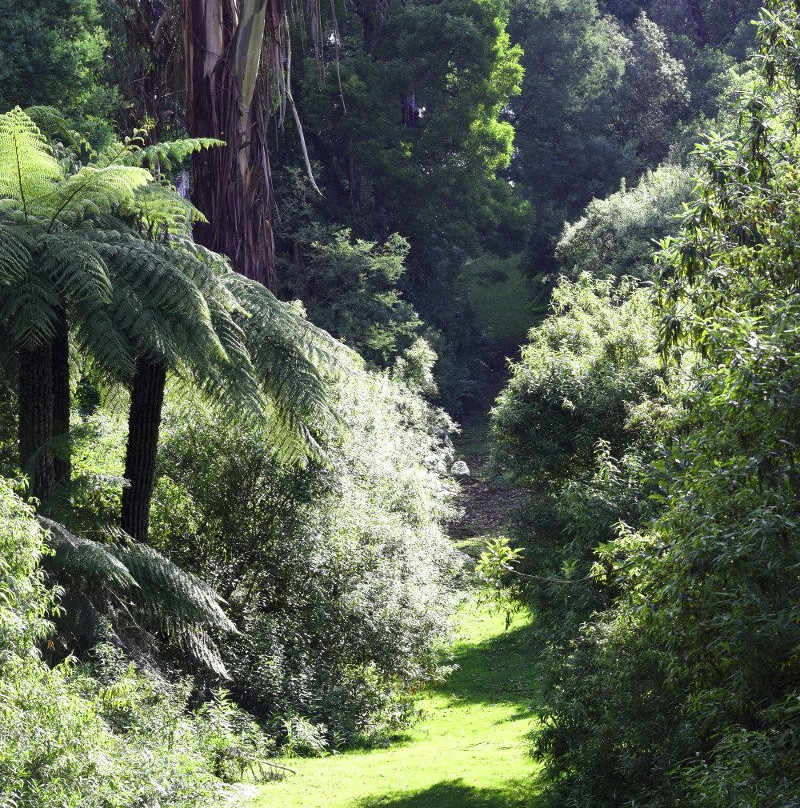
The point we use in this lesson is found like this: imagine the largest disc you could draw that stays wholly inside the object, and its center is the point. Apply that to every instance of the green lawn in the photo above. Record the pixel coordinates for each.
(468, 751)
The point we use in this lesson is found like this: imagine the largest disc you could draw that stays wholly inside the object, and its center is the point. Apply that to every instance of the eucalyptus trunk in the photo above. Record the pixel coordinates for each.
(144, 422)
(36, 419)
(223, 42)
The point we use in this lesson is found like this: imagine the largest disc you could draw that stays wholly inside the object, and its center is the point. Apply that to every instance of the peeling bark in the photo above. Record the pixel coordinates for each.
(226, 99)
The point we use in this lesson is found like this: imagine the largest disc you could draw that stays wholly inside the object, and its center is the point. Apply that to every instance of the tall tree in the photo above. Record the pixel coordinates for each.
(228, 97)
(53, 54)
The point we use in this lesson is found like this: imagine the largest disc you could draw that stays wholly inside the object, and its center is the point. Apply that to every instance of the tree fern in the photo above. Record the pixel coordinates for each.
(34, 181)
(56, 128)
(138, 590)
(178, 593)
(169, 154)
(15, 255)
(252, 351)
(294, 360)
(28, 310)
(161, 209)
(89, 192)
(175, 303)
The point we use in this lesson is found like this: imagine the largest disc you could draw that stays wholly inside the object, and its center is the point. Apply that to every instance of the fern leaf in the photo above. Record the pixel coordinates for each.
(15, 254)
(55, 126)
(163, 209)
(28, 310)
(291, 358)
(85, 559)
(170, 589)
(91, 191)
(74, 267)
(170, 153)
(27, 166)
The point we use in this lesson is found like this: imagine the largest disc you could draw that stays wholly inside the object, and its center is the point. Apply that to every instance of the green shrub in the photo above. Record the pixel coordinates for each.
(338, 575)
(580, 420)
(685, 689)
(103, 735)
(584, 368)
(618, 235)
(350, 288)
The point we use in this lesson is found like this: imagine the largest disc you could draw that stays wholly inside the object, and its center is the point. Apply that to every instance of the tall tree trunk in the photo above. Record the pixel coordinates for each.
(233, 184)
(144, 420)
(36, 418)
(699, 19)
(61, 398)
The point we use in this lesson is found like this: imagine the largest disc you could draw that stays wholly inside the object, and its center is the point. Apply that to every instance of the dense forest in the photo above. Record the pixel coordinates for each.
(398, 404)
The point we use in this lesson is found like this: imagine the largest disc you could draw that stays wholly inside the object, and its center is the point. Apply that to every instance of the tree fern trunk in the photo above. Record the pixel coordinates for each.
(36, 418)
(61, 399)
(144, 420)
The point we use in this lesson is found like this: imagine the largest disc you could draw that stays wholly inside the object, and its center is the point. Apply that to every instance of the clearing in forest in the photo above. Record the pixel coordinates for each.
(469, 750)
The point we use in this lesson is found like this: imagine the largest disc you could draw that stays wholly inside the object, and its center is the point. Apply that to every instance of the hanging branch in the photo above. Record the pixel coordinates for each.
(295, 115)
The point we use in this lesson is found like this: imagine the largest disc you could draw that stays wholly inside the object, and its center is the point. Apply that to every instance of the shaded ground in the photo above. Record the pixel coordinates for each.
(468, 751)
(487, 502)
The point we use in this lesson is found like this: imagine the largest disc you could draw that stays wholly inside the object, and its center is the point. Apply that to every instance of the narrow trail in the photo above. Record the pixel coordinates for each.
(488, 504)
(469, 749)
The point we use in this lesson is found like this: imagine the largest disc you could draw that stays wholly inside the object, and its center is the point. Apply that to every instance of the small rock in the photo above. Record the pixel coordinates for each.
(459, 469)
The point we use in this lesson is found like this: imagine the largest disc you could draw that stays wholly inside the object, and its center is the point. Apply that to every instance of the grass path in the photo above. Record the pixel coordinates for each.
(468, 750)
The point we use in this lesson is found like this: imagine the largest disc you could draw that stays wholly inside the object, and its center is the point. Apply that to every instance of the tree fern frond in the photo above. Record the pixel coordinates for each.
(42, 273)
(27, 166)
(229, 385)
(170, 153)
(163, 209)
(97, 335)
(150, 268)
(74, 267)
(85, 559)
(86, 622)
(91, 191)
(171, 590)
(291, 358)
(191, 638)
(157, 306)
(281, 322)
(146, 331)
(29, 309)
(56, 127)
(160, 596)
(15, 254)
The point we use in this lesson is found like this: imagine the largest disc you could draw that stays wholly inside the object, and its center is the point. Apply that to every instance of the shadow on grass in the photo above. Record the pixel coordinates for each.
(501, 670)
(456, 794)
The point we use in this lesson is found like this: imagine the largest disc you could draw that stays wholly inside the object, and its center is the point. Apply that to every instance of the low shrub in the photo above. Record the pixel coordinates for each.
(584, 368)
(98, 735)
(616, 235)
(338, 575)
